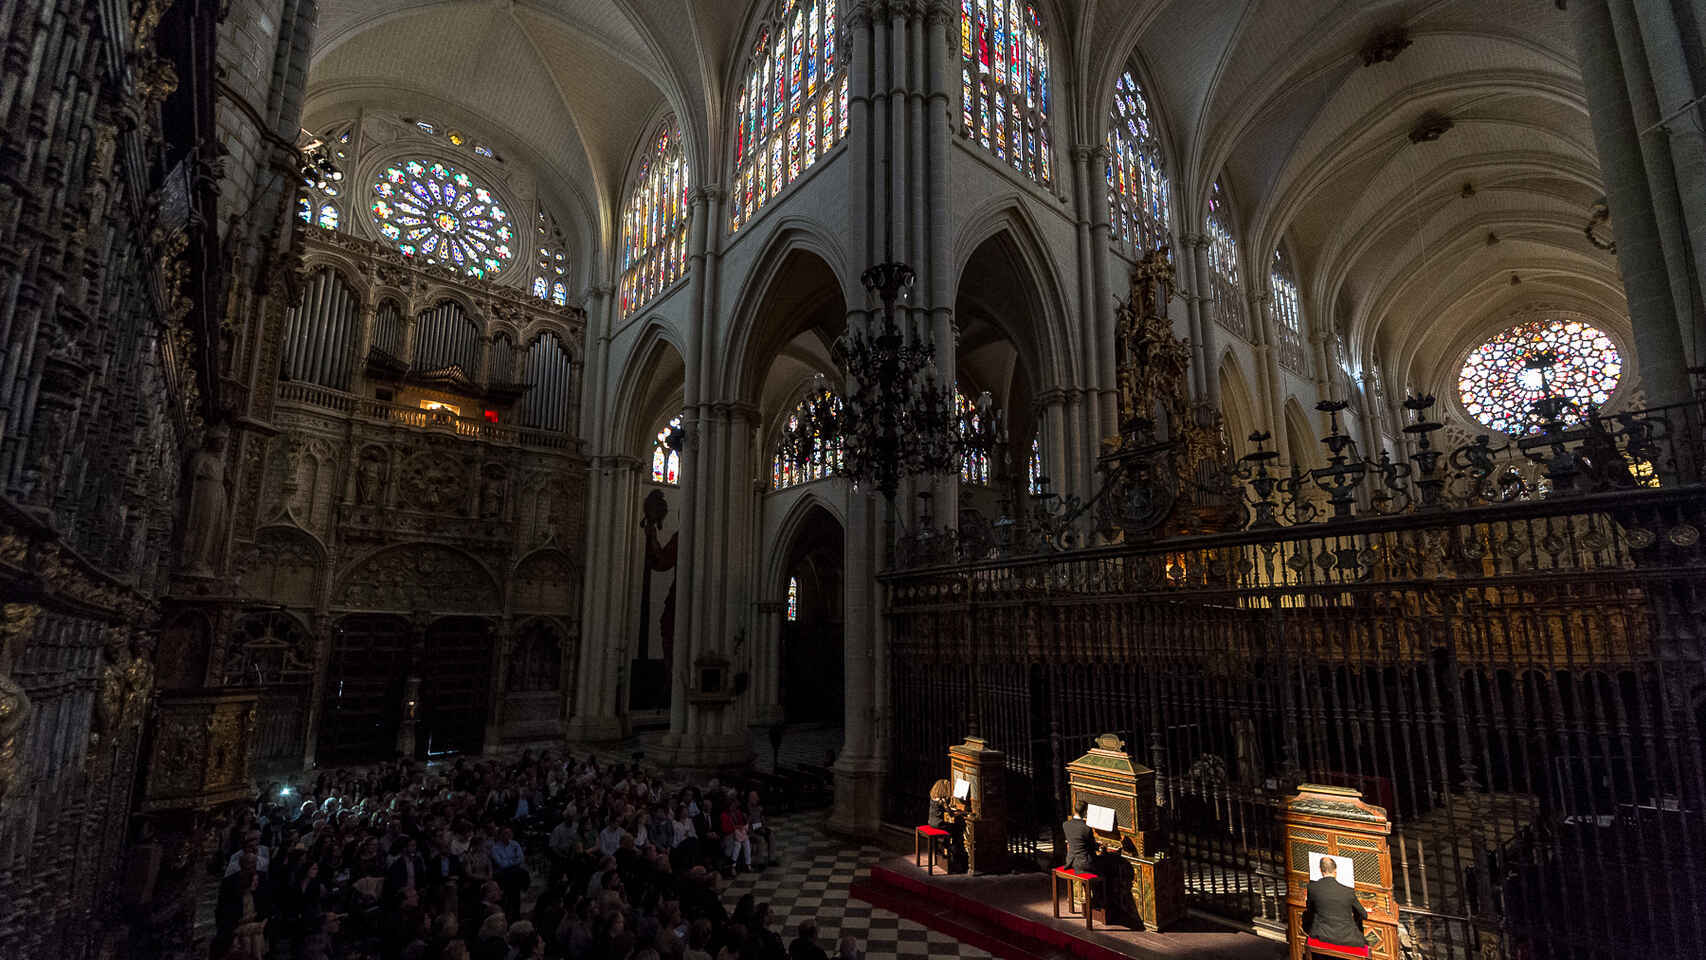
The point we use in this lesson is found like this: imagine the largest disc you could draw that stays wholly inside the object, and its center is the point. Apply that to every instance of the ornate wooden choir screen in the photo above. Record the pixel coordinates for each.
(1518, 678)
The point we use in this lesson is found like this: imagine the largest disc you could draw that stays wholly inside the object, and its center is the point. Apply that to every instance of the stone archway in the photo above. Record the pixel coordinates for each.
(813, 634)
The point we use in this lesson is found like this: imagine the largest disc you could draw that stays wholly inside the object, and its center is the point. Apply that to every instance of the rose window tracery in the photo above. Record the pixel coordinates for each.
(440, 214)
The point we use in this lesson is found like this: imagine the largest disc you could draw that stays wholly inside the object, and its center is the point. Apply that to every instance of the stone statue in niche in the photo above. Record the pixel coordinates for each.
(370, 480)
(205, 520)
(492, 496)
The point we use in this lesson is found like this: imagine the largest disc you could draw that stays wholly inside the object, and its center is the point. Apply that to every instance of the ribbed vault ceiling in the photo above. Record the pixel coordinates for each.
(1314, 146)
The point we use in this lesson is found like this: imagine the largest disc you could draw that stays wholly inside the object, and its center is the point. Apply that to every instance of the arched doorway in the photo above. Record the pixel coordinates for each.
(813, 625)
(455, 671)
(364, 689)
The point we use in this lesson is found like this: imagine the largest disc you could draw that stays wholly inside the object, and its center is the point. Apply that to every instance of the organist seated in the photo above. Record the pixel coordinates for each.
(1081, 846)
(947, 814)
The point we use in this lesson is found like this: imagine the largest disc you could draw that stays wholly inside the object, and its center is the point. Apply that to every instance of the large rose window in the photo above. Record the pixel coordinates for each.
(441, 215)
(1560, 355)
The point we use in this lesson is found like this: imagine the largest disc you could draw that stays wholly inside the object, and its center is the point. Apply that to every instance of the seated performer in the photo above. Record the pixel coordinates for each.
(1080, 840)
(1332, 914)
(942, 817)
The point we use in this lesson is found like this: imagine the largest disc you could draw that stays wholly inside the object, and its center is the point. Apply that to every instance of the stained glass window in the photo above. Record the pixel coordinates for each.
(439, 214)
(810, 445)
(456, 137)
(1004, 83)
(793, 599)
(1227, 292)
(1555, 353)
(666, 461)
(1288, 315)
(550, 266)
(1034, 468)
(1137, 179)
(792, 107)
(328, 216)
(654, 221)
(974, 462)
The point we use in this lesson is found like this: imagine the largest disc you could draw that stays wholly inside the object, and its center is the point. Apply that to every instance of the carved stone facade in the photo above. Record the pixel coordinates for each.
(395, 505)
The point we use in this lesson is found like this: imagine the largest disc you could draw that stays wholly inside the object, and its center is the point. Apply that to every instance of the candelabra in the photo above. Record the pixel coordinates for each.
(897, 421)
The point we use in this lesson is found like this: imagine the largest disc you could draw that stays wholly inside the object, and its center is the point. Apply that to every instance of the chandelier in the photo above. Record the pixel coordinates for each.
(318, 170)
(898, 420)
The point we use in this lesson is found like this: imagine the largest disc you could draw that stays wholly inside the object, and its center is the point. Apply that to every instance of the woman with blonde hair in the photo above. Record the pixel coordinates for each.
(940, 793)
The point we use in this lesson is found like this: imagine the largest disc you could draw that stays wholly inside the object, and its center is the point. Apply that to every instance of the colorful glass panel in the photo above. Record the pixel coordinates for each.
(809, 447)
(1137, 179)
(792, 107)
(1288, 315)
(1227, 303)
(1557, 354)
(1034, 468)
(793, 599)
(974, 463)
(654, 222)
(1003, 46)
(666, 463)
(436, 212)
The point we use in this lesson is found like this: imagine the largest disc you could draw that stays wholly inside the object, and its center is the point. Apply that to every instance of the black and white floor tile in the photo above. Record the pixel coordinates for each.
(811, 880)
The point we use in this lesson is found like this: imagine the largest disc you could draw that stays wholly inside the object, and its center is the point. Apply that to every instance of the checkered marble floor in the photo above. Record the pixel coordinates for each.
(811, 880)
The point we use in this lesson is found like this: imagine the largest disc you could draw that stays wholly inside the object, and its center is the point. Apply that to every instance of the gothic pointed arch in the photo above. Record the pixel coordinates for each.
(1237, 408)
(791, 106)
(1225, 278)
(285, 565)
(1005, 75)
(545, 581)
(413, 577)
(653, 252)
(1139, 187)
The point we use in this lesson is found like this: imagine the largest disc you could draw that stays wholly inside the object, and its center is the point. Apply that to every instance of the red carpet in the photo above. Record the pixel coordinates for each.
(1012, 918)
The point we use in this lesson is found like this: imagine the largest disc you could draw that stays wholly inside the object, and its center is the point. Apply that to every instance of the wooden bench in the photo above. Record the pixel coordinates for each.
(931, 836)
(1073, 877)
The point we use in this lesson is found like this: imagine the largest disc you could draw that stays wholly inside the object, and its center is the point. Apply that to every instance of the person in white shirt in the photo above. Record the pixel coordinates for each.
(251, 845)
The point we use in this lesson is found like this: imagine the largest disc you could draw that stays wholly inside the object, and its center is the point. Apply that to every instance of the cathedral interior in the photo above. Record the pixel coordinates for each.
(426, 422)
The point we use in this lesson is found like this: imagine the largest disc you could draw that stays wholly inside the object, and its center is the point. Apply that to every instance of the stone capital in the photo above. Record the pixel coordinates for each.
(1090, 152)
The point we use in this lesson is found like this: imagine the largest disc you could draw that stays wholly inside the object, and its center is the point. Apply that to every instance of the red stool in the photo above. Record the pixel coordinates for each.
(1334, 951)
(1072, 876)
(931, 836)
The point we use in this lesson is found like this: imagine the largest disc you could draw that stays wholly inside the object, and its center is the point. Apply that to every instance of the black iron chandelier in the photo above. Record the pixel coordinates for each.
(898, 420)
(318, 170)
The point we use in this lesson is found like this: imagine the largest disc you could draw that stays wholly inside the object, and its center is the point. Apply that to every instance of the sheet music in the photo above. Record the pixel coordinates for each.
(1346, 873)
(962, 788)
(1100, 818)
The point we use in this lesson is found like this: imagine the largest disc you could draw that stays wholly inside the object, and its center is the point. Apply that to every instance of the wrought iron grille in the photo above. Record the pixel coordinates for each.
(1521, 684)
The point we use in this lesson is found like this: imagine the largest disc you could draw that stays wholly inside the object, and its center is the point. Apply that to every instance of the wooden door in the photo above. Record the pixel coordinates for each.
(364, 689)
(455, 672)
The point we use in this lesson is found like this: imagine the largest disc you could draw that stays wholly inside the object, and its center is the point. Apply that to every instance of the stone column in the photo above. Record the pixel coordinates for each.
(767, 663)
(1207, 350)
(610, 557)
(1653, 310)
(1100, 372)
(1677, 89)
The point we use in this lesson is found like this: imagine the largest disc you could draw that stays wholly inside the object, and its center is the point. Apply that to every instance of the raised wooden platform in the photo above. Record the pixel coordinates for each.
(1010, 916)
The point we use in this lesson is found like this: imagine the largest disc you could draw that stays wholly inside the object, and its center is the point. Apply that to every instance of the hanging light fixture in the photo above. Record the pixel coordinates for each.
(318, 170)
(898, 420)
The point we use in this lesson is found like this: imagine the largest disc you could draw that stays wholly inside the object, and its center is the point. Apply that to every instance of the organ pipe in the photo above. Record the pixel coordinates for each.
(445, 335)
(548, 370)
(319, 332)
(388, 328)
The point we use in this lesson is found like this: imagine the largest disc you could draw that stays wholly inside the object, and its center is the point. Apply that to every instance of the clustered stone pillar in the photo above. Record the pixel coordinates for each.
(612, 509)
(767, 663)
(1638, 83)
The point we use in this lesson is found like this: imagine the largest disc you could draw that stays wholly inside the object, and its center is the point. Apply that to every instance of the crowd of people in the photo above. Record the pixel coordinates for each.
(482, 859)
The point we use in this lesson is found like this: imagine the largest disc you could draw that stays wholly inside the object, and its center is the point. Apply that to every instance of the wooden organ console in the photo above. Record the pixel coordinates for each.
(1127, 822)
(978, 777)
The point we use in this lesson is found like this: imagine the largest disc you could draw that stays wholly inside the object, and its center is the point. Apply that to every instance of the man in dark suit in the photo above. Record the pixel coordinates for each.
(1332, 914)
(1080, 840)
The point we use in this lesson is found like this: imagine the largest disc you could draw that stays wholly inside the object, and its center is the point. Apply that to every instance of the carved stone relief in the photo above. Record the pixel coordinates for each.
(420, 576)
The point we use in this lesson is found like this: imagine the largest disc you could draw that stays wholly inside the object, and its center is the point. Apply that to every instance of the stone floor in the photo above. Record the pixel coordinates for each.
(811, 881)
